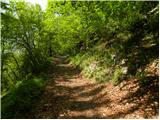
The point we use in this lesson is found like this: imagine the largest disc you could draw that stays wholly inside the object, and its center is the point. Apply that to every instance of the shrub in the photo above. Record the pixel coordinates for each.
(20, 99)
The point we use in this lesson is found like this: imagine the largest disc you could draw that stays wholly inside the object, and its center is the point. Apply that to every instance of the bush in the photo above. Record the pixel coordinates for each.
(21, 99)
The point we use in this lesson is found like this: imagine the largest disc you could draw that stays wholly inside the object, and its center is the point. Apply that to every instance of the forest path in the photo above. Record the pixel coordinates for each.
(68, 95)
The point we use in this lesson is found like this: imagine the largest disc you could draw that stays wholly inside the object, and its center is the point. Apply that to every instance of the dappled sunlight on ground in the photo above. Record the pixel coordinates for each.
(69, 95)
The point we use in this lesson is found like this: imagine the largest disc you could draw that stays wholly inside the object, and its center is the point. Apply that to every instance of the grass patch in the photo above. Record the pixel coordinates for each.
(117, 76)
(94, 64)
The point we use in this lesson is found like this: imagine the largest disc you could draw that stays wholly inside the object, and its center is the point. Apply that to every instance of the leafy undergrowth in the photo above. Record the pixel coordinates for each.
(19, 100)
(104, 64)
(99, 65)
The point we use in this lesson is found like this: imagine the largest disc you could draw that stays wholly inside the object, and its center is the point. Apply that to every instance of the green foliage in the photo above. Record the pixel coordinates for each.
(23, 43)
(22, 97)
(127, 34)
(97, 36)
(117, 76)
(94, 65)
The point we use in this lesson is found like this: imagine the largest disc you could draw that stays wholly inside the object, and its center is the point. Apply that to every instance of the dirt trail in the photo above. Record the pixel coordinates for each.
(68, 95)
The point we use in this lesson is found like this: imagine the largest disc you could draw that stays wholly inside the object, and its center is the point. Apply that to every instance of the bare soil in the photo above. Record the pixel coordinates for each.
(69, 95)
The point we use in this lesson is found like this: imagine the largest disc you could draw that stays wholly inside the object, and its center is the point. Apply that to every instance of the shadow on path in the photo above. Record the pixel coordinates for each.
(67, 92)
(69, 95)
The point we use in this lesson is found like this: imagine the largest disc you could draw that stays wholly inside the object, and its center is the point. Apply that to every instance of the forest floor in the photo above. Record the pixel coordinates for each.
(69, 95)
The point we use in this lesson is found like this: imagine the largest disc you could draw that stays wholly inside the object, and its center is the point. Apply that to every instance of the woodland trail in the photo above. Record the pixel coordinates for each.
(69, 95)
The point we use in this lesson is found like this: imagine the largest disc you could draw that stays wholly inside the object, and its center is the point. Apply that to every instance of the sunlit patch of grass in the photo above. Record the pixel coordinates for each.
(117, 76)
(94, 65)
